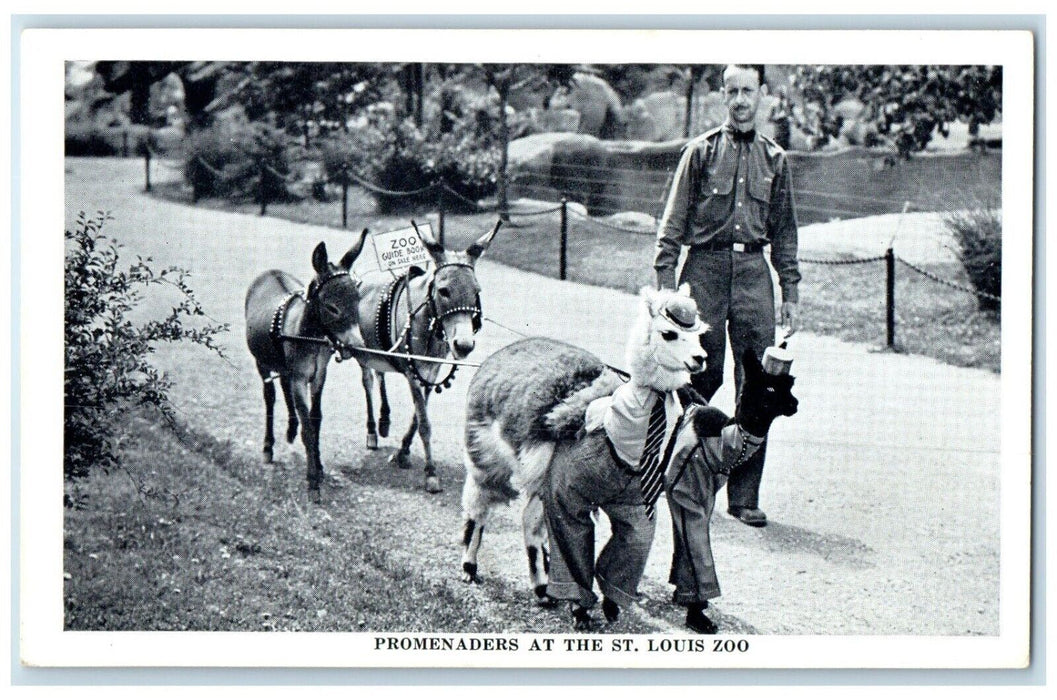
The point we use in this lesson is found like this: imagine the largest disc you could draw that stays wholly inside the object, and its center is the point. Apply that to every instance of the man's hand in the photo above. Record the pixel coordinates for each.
(790, 317)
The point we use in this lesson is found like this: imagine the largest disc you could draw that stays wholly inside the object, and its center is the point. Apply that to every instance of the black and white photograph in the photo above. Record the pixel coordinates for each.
(517, 348)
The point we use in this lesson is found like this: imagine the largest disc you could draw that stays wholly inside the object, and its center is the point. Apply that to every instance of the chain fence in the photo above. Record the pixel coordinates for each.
(623, 191)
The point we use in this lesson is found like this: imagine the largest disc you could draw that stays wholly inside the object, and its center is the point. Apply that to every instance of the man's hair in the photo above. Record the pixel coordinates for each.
(758, 67)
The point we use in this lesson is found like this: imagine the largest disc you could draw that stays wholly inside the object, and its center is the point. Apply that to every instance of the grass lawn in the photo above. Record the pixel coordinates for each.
(845, 301)
(270, 562)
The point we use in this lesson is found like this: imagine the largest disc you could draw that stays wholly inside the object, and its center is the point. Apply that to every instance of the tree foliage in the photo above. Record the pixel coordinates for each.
(906, 104)
(107, 368)
(298, 95)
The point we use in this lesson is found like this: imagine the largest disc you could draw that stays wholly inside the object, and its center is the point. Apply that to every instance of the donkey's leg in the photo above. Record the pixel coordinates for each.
(425, 433)
(269, 416)
(291, 410)
(300, 394)
(402, 457)
(367, 377)
(383, 415)
(315, 414)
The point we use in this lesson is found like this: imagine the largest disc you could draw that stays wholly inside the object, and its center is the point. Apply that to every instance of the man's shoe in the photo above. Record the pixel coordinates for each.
(698, 621)
(750, 516)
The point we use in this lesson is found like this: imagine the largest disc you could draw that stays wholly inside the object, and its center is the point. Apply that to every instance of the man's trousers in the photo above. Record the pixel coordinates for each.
(735, 295)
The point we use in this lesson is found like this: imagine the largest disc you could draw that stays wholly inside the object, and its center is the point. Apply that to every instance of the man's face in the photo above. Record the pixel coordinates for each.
(741, 93)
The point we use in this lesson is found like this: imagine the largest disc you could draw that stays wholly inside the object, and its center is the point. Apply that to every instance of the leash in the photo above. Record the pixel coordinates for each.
(383, 353)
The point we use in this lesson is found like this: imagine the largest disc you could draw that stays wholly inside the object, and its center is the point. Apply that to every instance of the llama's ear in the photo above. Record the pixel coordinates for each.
(684, 289)
(650, 298)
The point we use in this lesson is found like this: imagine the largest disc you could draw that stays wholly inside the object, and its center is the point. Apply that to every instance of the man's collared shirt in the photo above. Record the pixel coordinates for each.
(625, 416)
(726, 191)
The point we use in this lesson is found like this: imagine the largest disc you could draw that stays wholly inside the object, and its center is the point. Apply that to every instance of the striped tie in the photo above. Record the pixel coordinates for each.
(651, 476)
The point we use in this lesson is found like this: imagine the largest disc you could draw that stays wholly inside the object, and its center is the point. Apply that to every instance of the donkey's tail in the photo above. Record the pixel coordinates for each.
(566, 419)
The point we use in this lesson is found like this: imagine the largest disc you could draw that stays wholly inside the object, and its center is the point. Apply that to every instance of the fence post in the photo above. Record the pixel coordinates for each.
(196, 176)
(890, 297)
(263, 190)
(146, 166)
(344, 195)
(440, 213)
(124, 143)
(564, 238)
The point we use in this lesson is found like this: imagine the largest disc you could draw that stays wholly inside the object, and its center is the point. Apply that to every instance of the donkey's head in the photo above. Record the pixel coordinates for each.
(666, 342)
(333, 297)
(454, 294)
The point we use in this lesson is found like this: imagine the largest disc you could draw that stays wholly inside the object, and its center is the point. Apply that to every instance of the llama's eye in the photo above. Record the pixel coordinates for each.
(669, 335)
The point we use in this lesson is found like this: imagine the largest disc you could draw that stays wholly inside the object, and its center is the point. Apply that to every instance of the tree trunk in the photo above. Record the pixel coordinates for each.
(504, 146)
(139, 107)
(419, 80)
(689, 115)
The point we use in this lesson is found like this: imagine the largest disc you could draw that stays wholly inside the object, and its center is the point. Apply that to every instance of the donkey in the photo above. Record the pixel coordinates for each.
(292, 333)
(527, 421)
(433, 313)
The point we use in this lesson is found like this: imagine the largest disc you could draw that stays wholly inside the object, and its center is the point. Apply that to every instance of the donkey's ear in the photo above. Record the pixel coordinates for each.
(425, 234)
(479, 246)
(354, 252)
(684, 289)
(320, 259)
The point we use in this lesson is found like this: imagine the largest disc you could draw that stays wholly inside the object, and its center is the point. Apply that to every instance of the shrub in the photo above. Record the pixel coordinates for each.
(399, 157)
(978, 234)
(88, 140)
(230, 158)
(107, 371)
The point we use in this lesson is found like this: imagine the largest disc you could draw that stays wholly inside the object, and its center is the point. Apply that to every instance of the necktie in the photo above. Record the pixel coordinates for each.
(743, 136)
(651, 477)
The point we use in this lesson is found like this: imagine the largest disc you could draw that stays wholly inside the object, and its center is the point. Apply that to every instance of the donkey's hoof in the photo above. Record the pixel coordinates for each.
(383, 426)
(433, 484)
(314, 495)
(291, 432)
(400, 460)
(372, 442)
(267, 456)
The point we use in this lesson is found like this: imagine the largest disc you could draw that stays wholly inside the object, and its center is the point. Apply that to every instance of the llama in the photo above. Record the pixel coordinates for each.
(535, 416)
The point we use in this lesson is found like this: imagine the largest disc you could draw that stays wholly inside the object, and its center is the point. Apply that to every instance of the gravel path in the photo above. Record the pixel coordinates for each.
(882, 492)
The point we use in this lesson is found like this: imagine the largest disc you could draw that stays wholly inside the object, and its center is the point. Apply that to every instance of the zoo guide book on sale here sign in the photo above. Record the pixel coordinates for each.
(509, 435)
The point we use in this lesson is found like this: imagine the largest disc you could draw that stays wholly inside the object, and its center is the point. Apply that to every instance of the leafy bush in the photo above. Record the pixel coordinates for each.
(978, 233)
(230, 158)
(399, 157)
(88, 140)
(107, 370)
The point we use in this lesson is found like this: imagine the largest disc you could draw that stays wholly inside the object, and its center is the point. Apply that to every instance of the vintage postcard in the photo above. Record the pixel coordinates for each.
(525, 348)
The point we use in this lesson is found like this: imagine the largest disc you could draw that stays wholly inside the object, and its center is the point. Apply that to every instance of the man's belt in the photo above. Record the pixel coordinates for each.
(715, 246)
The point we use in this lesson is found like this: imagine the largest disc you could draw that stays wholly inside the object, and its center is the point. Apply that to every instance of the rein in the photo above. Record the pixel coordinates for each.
(435, 324)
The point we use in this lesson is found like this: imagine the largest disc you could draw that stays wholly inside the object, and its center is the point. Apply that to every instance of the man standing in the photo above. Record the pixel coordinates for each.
(732, 196)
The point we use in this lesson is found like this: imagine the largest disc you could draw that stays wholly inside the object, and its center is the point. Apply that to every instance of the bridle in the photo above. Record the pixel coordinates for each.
(311, 297)
(435, 329)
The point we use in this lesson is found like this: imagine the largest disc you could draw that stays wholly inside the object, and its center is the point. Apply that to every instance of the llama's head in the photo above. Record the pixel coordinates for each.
(666, 344)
